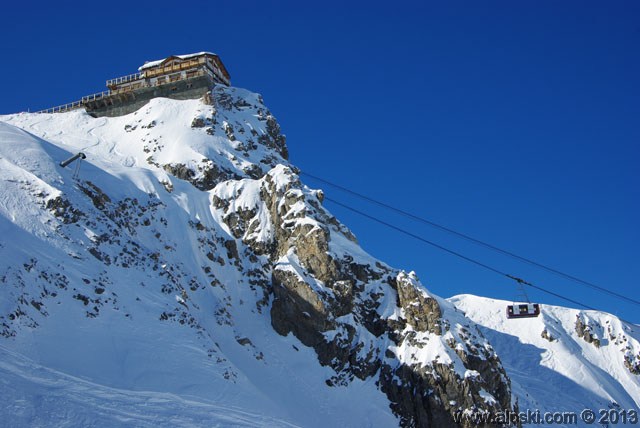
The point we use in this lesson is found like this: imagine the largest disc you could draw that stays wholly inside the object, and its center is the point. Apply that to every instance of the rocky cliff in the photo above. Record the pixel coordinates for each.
(188, 221)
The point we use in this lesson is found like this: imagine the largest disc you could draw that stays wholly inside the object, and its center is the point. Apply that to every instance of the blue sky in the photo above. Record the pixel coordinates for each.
(513, 122)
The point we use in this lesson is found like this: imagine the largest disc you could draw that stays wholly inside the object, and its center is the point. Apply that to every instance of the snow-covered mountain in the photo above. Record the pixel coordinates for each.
(565, 359)
(188, 277)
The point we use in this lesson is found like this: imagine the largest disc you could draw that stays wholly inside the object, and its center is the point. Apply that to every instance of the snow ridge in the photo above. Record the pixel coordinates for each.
(189, 278)
(127, 279)
(564, 360)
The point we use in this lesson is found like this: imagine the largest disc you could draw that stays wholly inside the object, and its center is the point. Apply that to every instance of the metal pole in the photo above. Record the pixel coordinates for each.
(79, 155)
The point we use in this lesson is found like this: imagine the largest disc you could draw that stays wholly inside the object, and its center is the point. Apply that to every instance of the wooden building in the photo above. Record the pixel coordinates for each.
(179, 77)
(173, 69)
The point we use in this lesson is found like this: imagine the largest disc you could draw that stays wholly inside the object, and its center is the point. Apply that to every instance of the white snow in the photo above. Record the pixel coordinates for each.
(122, 356)
(112, 344)
(566, 374)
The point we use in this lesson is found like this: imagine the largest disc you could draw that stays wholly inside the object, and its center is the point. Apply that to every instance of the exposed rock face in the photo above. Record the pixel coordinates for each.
(596, 334)
(547, 336)
(632, 362)
(253, 224)
(584, 330)
(421, 310)
(363, 318)
(203, 176)
(220, 119)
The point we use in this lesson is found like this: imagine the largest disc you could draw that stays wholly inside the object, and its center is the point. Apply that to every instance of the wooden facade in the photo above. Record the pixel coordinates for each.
(172, 69)
(178, 77)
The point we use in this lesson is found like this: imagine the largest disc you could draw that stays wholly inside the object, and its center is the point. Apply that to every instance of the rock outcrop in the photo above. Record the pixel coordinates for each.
(216, 222)
(584, 330)
(363, 318)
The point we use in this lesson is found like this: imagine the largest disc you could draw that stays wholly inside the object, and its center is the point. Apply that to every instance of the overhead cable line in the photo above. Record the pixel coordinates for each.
(455, 253)
(474, 240)
(469, 259)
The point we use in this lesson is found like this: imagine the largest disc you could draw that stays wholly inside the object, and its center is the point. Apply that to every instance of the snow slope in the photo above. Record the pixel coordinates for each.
(108, 312)
(37, 396)
(566, 373)
(177, 280)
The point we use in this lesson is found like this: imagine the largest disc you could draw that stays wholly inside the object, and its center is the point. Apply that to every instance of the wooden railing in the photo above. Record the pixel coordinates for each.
(62, 108)
(76, 104)
(143, 84)
(124, 79)
(162, 80)
(152, 72)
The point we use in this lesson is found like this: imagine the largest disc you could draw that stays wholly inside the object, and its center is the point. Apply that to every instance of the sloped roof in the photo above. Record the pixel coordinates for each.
(150, 64)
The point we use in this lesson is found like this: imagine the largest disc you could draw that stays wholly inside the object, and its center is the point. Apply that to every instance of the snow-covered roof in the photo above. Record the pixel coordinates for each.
(149, 64)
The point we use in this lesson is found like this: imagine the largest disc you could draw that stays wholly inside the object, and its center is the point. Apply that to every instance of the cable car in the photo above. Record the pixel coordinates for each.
(523, 310)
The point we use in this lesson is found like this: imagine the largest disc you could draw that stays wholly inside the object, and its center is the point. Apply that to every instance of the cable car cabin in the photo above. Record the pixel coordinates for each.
(523, 310)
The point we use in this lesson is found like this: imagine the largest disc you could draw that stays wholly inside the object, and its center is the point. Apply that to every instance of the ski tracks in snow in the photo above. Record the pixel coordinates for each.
(37, 396)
